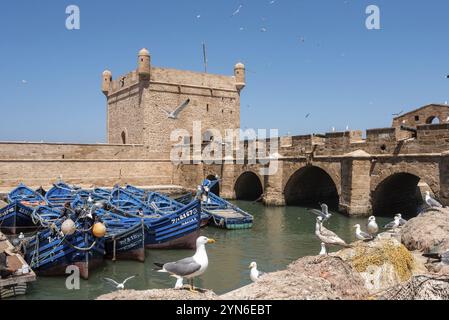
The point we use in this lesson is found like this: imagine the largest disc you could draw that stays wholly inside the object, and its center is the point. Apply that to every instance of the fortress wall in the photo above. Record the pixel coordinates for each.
(37, 164)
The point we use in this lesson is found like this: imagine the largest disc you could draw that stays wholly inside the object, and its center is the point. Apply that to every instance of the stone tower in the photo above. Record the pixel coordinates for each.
(140, 103)
(107, 79)
(239, 73)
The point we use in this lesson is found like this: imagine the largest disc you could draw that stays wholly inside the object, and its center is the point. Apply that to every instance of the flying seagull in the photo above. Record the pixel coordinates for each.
(393, 224)
(327, 236)
(191, 267)
(255, 274)
(361, 235)
(398, 114)
(118, 286)
(372, 226)
(236, 12)
(324, 213)
(323, 251)
(432, 202)
(174, 114)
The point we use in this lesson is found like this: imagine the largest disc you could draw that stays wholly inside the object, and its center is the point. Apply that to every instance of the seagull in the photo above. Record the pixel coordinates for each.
(191, 267)
(361, 235)
(398, 114)
(327, 236)
(255, 274)
(372, 226)
(24, 82)
(401, 220)
(263, 29)
(118, 286)
(393, 224)
(323, 251)
(432, 202)
(324, 213)
(179, 282)
(174, 114)
(307, 115)
(236, 12)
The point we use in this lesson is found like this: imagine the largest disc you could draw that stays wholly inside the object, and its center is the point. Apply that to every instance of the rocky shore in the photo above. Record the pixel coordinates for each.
(390, 267)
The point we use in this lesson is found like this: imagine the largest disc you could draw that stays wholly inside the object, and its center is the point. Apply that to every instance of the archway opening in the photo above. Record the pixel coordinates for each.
(310, 186)
(248, 187)
(398, 193)
(216, 188)
(433, 120)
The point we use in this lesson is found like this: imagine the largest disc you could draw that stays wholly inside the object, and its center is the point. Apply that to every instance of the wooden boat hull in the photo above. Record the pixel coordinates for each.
(52, 257)
(16, 218)
(175, 231)
(185, 242)
(127, 245)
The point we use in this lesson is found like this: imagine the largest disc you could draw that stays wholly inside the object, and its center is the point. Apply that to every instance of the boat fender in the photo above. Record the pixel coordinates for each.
(68, 227)
(99, 230)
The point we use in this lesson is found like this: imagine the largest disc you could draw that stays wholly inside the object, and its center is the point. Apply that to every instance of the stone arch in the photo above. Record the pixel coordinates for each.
(248, 186)
(216, 188)
(433, 120)
(311, 185)
(398, 193)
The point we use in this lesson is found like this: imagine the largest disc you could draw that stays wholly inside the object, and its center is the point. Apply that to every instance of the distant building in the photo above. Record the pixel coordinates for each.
(429, 114)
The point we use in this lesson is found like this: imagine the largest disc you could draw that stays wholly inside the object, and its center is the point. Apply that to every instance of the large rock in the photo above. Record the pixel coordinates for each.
(421, 287)
(160, 294)
(381, 263)
(309, 278)
(428, 230)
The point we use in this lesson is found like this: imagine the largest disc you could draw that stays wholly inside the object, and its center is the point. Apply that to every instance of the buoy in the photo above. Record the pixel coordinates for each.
(99, 230)
(68, 227)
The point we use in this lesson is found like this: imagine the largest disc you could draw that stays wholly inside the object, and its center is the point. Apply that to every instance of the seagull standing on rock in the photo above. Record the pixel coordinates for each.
(372, 226)
(327, 236)
(432, 202)
(393, 224)
(361, 235)
(255, 274)
(402, 221)
(191, 267)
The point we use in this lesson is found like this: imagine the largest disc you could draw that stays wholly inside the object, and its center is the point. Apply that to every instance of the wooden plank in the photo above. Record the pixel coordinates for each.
(16, 261)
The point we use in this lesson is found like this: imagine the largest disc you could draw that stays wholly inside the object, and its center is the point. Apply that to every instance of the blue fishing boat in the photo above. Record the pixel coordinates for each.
(102, 193)
(125, 237)
(168, 225)
(60, 194)
(50, 252)
(127, 202)
(224, 214)
(136, 192)
(16, 216)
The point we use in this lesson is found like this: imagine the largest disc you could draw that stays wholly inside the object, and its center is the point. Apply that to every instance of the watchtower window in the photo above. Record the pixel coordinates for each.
(416, 118)
(123, 137)
(207, 107)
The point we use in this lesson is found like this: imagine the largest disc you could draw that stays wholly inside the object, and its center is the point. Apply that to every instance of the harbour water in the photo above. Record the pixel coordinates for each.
(280, 235)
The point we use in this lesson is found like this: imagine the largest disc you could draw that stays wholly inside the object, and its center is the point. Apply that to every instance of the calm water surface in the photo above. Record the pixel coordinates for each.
(279, 236)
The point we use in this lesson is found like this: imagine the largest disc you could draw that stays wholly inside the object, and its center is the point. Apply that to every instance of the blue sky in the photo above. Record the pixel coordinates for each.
(342, 74)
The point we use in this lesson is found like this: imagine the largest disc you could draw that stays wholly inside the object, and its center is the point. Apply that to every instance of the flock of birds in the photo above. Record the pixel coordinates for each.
(195, 266)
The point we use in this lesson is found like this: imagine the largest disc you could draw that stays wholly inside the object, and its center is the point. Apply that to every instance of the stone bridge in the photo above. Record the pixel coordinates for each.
(383, 173)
